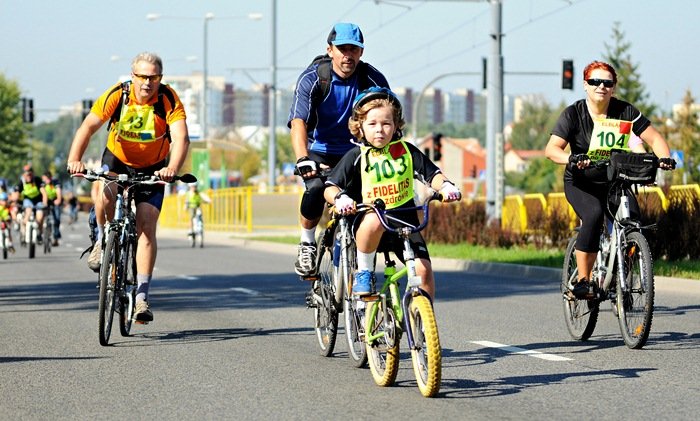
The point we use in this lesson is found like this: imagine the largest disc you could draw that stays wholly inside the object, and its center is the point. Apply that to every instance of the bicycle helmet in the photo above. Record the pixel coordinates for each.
(377, 92)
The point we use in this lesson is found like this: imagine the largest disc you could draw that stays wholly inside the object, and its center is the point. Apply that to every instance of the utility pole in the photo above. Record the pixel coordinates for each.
(494, 123)
(271, 149)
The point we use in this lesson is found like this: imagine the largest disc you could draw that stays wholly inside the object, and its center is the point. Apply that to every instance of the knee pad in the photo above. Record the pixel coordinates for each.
(312, 201)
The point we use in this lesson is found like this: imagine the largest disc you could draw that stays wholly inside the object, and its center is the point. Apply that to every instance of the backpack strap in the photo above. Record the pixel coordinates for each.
(114, 118)
(324, 69)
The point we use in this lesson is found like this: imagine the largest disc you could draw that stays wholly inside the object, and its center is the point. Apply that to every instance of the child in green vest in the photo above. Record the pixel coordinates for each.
(383, 167)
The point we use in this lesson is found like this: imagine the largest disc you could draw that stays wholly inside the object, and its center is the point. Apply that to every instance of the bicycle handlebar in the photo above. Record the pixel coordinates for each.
(136, 178)
(385, 215)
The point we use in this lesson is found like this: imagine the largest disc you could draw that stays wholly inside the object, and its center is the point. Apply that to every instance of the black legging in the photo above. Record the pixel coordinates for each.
(589, 203)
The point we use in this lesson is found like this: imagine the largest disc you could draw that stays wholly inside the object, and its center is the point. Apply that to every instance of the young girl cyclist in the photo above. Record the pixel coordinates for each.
(383, 167)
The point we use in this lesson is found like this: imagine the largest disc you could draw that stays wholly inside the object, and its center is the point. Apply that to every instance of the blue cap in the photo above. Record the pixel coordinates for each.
(346, 33)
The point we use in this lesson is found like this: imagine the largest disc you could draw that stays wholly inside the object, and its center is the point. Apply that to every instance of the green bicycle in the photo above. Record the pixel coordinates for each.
(389, 314)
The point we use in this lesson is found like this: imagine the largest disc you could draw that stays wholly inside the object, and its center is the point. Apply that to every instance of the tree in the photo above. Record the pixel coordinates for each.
(541, 176)
(534, 125)
(13, 132)
(686, 136)
(629, 86)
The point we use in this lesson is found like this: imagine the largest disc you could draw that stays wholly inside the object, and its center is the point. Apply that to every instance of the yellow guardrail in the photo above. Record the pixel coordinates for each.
(245, 209)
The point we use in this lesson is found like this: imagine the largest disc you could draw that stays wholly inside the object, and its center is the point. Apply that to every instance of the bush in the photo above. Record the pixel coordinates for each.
(673, 238)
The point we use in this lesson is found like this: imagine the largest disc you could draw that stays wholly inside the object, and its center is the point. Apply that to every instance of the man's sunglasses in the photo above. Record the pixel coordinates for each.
(596, 82)
(144, 78)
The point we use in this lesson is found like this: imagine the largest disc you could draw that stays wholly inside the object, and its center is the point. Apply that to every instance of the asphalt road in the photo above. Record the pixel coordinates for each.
(232, 339)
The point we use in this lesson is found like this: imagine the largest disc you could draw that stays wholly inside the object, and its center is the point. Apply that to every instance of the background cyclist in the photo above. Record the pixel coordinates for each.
(29, 194)
(579, 126)
(54, 203)
(383, 168)
(193, 201)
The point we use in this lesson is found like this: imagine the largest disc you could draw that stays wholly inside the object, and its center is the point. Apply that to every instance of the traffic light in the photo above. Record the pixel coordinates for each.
(87, 106)
(567, 75)
(27, 110)
(437, 146)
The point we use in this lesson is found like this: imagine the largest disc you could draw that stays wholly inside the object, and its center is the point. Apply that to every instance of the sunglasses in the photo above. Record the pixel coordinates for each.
(596, 82)
(145, 78)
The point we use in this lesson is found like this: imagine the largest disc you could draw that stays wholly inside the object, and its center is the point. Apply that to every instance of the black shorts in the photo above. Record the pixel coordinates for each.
(391, 242)
(151, 194)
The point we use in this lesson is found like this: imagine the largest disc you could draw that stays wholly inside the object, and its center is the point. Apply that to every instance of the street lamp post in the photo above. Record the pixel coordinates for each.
(205, 58)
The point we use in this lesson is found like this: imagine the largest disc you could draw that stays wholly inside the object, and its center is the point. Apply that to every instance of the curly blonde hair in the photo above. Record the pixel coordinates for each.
(360, 115)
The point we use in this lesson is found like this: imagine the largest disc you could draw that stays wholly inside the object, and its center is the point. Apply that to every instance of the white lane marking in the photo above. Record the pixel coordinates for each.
(516, 350)
(189, 278)
(246, 291)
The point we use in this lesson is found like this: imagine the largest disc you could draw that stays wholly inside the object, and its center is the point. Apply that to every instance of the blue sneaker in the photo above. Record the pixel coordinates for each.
(362, 285)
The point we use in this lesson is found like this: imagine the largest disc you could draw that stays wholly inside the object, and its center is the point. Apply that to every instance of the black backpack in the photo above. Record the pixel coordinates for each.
(158, 107)
(324, 69)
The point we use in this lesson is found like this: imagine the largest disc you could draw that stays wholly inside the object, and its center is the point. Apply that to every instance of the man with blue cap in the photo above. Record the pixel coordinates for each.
(318, 120)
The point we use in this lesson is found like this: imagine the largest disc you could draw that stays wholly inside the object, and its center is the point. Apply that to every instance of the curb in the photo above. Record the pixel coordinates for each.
(505, 270)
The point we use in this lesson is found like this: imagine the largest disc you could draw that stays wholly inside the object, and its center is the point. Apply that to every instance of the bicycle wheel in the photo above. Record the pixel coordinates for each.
(636, 304)
(31, 240)
(382, 353)
(48, 231)
(4, 237)
(108, 280)
(427, 357)
(581, 316)
(193, 234)
(325, 314)
(201, 234)
(127, 302)
(353, 309)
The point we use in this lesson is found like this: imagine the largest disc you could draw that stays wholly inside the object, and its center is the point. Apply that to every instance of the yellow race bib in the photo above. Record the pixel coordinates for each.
(608, 134)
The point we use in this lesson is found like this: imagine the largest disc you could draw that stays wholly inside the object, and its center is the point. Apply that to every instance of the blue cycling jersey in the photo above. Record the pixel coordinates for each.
(327, 123)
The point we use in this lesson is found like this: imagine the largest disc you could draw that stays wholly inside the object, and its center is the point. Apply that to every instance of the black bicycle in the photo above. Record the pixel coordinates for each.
(623, 271)
(117, 277)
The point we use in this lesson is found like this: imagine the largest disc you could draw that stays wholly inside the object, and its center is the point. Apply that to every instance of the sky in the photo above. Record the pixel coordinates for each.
(60, 52)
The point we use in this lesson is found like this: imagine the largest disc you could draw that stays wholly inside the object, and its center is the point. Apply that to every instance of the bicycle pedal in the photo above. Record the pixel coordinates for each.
(309, 278)
(369, 298)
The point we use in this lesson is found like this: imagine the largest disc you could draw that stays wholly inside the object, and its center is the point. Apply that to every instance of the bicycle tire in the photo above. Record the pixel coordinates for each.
(383, 353)
(31, 244)
(193, 234)
(325, 313)
(48, 229)
(636, 305)
(581, 316)
(354, 316)
(127, 302)
(5, 250)
(427, 357)
(108, 274)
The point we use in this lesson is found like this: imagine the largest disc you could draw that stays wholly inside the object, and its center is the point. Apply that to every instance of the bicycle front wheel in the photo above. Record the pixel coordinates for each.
(108, 280)
(383, 352)
(581, 316)
(636, 303)
(427, 355)
(127, 302)
(353, 309)
(325, 314)
(48, 230)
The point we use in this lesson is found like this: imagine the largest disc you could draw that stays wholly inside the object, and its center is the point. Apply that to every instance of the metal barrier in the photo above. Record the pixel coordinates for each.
(245, 209)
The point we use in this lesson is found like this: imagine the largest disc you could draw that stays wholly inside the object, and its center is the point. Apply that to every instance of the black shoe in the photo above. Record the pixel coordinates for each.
(581, 289)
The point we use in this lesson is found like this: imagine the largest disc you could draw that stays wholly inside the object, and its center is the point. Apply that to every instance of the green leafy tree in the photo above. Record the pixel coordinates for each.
(629, 86)
(535, 123)
(686, 137)
(13, 131)
(541, 176)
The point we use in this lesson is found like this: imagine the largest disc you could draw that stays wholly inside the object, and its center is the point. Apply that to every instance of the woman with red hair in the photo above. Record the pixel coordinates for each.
(583, 126)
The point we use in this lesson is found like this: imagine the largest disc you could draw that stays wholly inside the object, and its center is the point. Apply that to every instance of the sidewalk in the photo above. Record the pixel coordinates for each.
(453, 265)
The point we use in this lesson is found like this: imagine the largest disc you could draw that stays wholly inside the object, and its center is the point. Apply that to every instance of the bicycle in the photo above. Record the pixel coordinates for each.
(117, 276)
(623, 270)
(47, 230)
(332, 290)
(5, 239)
(389, 315)
(197, 228)
(31, 231)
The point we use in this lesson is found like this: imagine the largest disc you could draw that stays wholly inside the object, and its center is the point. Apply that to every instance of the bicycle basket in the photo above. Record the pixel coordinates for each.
(637, 168)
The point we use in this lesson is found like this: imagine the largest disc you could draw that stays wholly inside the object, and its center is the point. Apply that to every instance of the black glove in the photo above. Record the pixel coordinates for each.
(669, 162)
(575, 159)
(305, 166)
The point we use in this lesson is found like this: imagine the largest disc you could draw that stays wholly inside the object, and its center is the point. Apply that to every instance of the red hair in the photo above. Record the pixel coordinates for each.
(599, 65)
